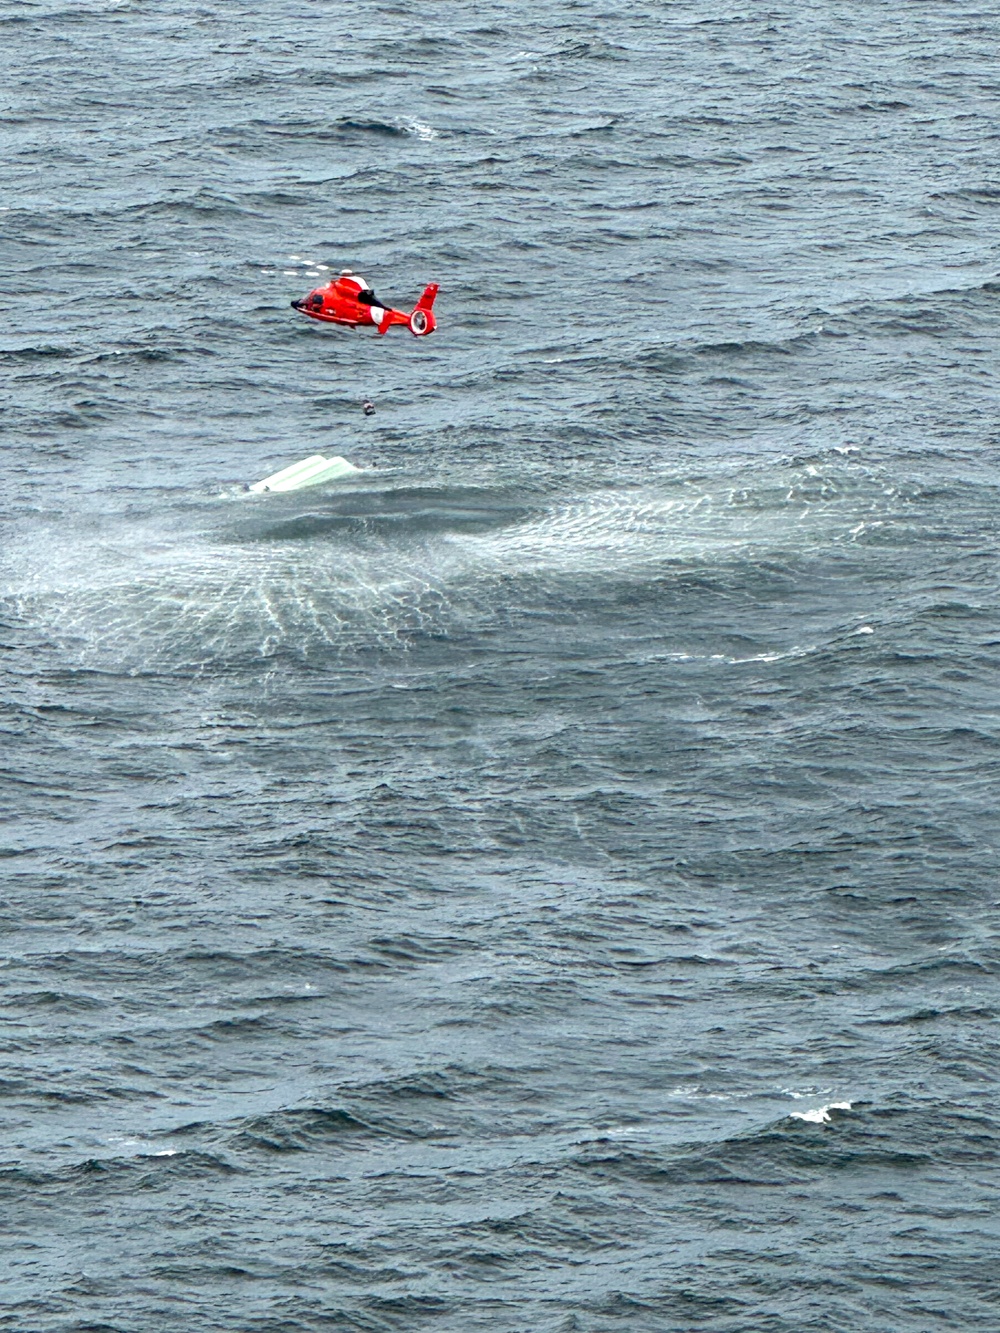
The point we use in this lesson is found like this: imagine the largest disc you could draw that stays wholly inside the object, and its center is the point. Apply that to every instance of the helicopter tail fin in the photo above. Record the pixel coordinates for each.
(422, 319)
(427, 300)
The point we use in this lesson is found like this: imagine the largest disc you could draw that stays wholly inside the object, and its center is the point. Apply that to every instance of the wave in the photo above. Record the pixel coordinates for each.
(987, 194)
(782, 1154)
(348, 127)
(821, 1114)
(345, 129)
(594, 48)
(934, 312)
(55, 1002)
(148, 1168)
(38, 352)
(302, 1130)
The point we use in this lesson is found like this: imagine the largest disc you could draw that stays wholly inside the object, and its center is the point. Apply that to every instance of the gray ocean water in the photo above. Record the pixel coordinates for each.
(548, 881)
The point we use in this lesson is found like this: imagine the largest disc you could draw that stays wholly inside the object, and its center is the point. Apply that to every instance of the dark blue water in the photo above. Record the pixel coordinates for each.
(548, 881)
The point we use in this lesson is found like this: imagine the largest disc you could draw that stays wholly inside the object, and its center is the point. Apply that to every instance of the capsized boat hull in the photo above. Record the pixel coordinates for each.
(312, 471)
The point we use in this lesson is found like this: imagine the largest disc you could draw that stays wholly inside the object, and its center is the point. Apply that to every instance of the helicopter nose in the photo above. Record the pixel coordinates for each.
(296, 305)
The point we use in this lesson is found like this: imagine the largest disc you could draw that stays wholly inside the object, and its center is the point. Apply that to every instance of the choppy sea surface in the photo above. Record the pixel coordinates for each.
(547, 881)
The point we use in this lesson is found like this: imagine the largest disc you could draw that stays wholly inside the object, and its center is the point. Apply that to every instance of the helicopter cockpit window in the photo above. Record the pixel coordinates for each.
(367, 297)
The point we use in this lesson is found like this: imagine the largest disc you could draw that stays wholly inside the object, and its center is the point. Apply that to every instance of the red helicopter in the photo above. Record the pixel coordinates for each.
(349, 300)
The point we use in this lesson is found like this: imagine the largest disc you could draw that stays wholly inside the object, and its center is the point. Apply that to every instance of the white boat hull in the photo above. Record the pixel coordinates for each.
(312, 471)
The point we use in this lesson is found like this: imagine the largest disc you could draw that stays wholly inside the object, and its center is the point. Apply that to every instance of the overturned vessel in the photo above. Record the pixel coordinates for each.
(312, 471)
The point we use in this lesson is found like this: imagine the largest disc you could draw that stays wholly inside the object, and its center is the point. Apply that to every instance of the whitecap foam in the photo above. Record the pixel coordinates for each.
(821, 1114)
(152, 591)
(419, 130)
(621, 531)
(142, 596)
